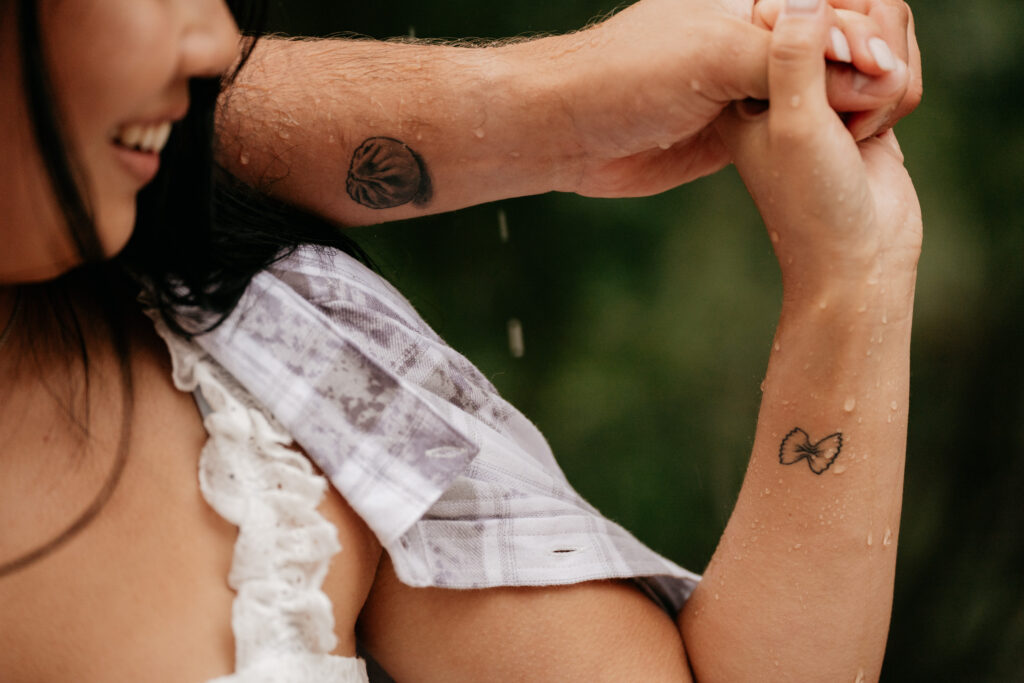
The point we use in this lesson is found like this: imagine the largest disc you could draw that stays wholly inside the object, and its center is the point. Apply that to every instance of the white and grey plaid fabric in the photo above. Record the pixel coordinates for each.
(460, 488)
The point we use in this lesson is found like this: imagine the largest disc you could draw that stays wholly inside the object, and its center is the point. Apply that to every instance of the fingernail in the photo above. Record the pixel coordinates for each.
(882, 54)
(806, 6)
(841, 46)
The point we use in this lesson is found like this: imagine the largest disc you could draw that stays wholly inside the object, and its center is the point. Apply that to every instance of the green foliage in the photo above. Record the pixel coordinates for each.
(647, 326)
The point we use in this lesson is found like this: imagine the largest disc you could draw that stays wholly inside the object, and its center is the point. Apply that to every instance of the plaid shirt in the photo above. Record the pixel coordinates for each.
(460, 488)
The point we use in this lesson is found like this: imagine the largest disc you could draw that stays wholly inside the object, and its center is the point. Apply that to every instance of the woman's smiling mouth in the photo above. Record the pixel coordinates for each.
(139, 145)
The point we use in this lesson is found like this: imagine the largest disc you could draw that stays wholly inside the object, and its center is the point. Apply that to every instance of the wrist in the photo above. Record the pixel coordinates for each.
(539, 77)
(852, 296)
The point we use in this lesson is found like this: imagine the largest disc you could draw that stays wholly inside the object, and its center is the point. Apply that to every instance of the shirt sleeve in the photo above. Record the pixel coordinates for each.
(461, 489)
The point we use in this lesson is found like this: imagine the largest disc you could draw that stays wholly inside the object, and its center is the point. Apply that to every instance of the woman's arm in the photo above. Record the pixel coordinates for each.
(800, 587)
(365, 132)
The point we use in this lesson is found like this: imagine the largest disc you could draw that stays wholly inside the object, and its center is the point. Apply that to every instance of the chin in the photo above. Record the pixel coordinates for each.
(115, 229)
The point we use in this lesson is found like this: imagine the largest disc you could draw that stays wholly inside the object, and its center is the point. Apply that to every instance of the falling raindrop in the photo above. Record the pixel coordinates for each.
(503, 226)
(515, 338)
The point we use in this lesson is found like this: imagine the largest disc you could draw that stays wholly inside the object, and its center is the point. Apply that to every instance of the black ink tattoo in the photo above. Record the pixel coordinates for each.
(797, 446)
(386, 173)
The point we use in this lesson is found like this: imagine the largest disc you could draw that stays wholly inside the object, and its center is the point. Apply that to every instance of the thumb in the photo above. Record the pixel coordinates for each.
(796, 67)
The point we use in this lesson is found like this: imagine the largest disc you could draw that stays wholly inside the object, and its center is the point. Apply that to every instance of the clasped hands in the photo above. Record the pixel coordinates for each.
(644, 88)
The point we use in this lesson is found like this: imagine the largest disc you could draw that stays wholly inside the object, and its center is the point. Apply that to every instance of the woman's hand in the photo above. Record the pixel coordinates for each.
(833, 207)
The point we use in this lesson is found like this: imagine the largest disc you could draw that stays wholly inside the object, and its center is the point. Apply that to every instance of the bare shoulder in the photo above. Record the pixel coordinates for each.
(595, 631)
(147, 579)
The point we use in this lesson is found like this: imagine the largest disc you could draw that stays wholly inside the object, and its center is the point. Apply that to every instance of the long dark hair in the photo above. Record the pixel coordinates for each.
(200, 237)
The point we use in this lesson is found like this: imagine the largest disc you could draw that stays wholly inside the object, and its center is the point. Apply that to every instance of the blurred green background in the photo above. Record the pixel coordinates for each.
(647, 325)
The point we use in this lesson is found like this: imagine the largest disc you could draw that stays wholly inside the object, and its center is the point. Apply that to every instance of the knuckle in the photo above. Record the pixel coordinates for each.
(792, 47)
(915, 93)
(903, 13)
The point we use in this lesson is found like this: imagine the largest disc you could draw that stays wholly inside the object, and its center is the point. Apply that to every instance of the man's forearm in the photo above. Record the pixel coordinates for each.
(364, 132)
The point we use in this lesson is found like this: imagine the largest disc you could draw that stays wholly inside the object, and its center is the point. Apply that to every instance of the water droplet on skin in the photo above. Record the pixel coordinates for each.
(479, 133)
(838, 469)
(894, 406)
(850, 404)
(716, 596)
(515, 155)
(695, 85)
(778, 347)
(841, 198)
(868, 352)
(794, 101)
(284, 135)
(767, 492)
(871, 539)
(888, 419)
(665, 145)
(762, 386)
(243, 158)
(775, 237)
(860, 420)
(863, 308)
(885, 318)
(887, 539)
(860, 676)
(797, 546)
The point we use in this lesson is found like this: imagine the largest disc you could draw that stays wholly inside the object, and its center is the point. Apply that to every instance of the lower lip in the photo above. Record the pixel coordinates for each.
(142, 165)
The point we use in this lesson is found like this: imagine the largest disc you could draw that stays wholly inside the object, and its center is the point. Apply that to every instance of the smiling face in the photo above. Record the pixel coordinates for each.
(120, 72)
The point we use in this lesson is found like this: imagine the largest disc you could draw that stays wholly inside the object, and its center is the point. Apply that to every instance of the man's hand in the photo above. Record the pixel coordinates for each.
(644, 86)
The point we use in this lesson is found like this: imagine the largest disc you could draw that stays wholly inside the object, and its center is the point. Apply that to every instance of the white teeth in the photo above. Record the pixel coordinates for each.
(131, 136)
(162, 136)
(147, 139)
(144, 138)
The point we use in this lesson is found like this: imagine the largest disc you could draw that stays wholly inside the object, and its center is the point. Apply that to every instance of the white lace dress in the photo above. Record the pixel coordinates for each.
(249, 473)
